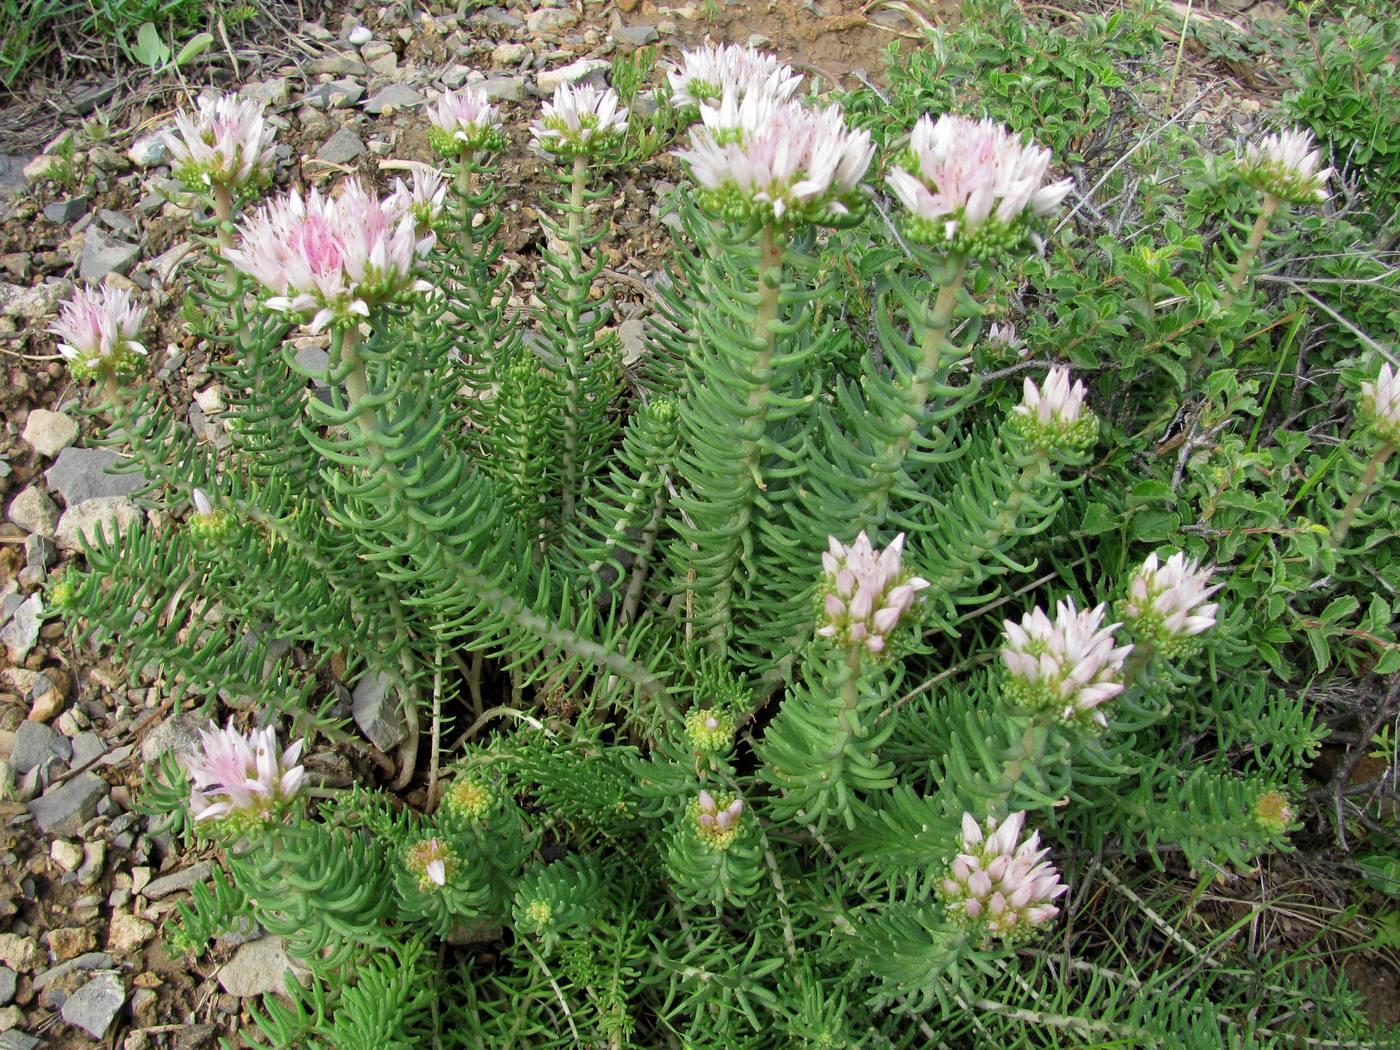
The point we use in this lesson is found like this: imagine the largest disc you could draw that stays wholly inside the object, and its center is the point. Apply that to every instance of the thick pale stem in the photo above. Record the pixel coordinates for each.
(770, 284)
(357, 381)
(1026, 756)
(223, 211)
(1256, 237)
(1363, 489)
(573, 351)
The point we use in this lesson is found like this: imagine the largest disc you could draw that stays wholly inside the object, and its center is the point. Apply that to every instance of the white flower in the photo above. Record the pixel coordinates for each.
(1053, 415)
(1004, 335)
(1287, 166)
(425, 198)
(778, 161)
(98, 328)
(333, 258)
(864, 594)
(1068, 666)
(1167, 602)
(246, 774)
(1380, 404)
(433, 861)
(998, 886)
(709, 73)
(581, 120)
(464, 119)
(970, 184)
(225, 143)
(716, 820)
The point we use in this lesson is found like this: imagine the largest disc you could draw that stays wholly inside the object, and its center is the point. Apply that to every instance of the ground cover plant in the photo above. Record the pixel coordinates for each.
(970, 541)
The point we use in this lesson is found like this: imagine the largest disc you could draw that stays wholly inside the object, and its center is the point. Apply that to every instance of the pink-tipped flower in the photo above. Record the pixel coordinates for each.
(333, 260)
(709, 73)
(1166, 603)
(972, 186)
(582, 120)
(226, 142)
(1068, 666)
(97, 331)
(464, 119)
(779, 162)
(1004, 339)
(716, 820)
(863, 594)
(1380, 405)
(1053, 416)
(207, 524)
(998, 886)
(242, 777)
(1286, 166)
(433, 861)
(425, 198)
(1272, 812)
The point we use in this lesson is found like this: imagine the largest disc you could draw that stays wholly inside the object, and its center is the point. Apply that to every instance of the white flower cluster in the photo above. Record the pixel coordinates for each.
(1068, 666)
(242, 776)
(708, 74)
(225, 143)
(1053, 416)
(1166, 603)
(1380, 405)
(464, 119)
(999, 886)
(1287, 166)
(864, 594)
(581, 120)
(97, 331)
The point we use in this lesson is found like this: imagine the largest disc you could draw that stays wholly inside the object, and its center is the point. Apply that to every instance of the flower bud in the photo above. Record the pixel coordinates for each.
(1068, 666)
(469, 798)
(1166, 603)
(997, 886)
(433, 861)
(1272, 812)
(716, 819)
(709, 730)
(1380, 405)
(864, 595)
(1053, 416)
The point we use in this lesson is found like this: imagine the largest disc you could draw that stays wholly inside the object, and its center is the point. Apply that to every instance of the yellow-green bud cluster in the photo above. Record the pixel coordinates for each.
(1272, 812)
(469, 798)
(433, 861)
(709, 730)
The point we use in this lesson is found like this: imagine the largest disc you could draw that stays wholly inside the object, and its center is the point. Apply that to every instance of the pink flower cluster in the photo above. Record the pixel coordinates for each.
(581, 120)
(864, 594)
(971, 185)
(464, 119)
(226, 142)
(998, 885)
(1380, 404)
(1287, 166)
(242, 776)
(97, 330)
(333, 258)
(1052, 415)
(1167, 604)
(424, 199)
(709, 73)
(759, 155)
(1068, 665)
(716, 820)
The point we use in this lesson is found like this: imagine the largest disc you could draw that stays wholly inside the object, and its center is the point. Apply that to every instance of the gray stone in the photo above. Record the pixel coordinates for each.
(8, 980)
(375, 706)
(87, 749)
(39, 553)
(94, 1006)
(81, 474)
(273, 92)
(509, 55)
(178, 734)
(338, 94)
(313, 359)
(49, 433)
(636, 36)
(65, 211)
(391, 97)
(17, 1040)
(584, 69)
(12, 179)
(178, 880)
(33, 511)
(65, 809)
(21, 631)
(92, 521)
(550, 20)
(342, 65)
(30, 304)
(88, 961)
(104, 254)
(498, 16)
(503, 89)
(149, 150)
(257, 968)
(117, 221)
(36, 743)
(342, 147)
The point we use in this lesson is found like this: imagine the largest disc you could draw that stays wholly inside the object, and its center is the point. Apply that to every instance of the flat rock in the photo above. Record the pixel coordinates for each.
(551, 20)
(178, 733)
(338, 94)
(503, 89)
(94, 1006)
(33, 511)
(632, 335)
(81, 474)
(574, 73)
(69, 209)
(149, 150)
(17, 1040)
(90, 961)
(49, 433)
(272, 92)
(106, 517)
(375, 706)
(31, 304)
(127, 932)
(65, 809)
(36, 743)
(12, 179)
(257, 968)
(337, 65)
(636, 36)
(21, 631)
(509, 55)
(178, 880)
(104, 254)
(342, 147)
(393, 96)
(19, 953)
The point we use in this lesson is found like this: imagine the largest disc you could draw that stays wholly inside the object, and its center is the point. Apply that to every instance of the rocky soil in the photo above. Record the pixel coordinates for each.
(85, 881)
